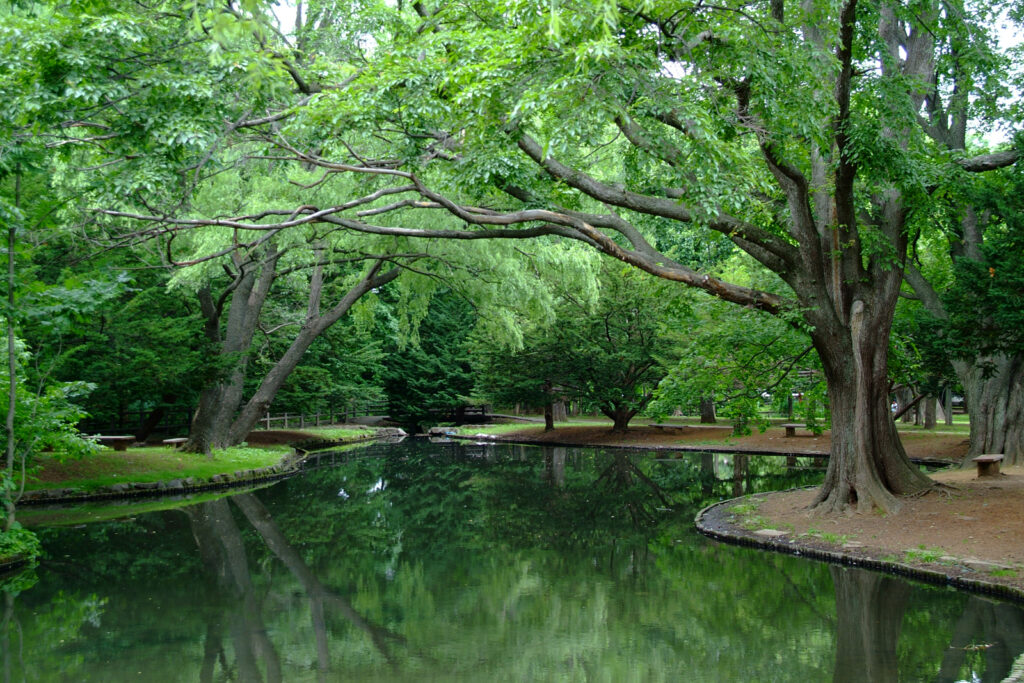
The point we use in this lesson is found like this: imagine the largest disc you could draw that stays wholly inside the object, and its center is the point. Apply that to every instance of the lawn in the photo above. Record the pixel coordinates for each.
(147, 464)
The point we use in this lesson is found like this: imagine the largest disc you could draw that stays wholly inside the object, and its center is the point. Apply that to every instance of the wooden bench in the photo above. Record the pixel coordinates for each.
(177, 442)
(664, 426)
(791, 428)
(988, 464)
(118, 443)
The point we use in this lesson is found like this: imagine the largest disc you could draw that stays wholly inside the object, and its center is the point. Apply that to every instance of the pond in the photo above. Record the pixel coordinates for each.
(438, 561)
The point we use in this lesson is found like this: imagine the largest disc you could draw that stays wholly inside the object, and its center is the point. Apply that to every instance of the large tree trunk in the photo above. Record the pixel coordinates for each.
(929, 412)
(620, 415)
(221, 419)
(995, 404)
(219, 401)
(707, 411)
(867, 465)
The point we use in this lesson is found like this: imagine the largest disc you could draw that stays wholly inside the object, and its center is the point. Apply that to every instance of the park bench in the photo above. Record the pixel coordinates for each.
(667, 427)
(177, 441)
(791, 428)
(988, 464)
(118, 443)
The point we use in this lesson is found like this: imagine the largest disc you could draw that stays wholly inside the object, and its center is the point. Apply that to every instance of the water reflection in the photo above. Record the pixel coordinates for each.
(480, 564)
(869, 615)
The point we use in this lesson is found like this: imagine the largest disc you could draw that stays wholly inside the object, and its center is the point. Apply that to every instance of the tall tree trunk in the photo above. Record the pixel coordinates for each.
(221, 419)
(867, 465)
(929, 412)
(707, 411)
(995, 404)
(558, 411)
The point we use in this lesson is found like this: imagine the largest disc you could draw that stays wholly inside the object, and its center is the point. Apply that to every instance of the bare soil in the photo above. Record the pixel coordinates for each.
(975, 518)
(923, 445)
(971, 526)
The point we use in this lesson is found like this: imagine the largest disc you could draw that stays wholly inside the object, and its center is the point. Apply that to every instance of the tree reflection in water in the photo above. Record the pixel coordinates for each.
(482, 563)
(222, 550)
(869, 614)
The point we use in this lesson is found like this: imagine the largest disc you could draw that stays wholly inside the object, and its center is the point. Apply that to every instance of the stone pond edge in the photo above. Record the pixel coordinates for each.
(726, 532)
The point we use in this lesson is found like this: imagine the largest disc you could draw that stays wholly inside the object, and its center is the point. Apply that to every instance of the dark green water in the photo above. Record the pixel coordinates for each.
(422, 562)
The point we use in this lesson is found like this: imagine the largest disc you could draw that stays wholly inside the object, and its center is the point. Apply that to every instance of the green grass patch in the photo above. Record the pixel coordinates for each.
(923, 554)
(834, 539)
(526, 427)
(148, 464)
(341, 433)
(1008, 573)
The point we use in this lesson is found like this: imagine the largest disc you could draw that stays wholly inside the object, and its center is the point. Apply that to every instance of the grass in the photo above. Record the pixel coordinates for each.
(1009, 573)
(341, 433)
(146, 465)
(834, 539)
(923, 554)
(498, 430)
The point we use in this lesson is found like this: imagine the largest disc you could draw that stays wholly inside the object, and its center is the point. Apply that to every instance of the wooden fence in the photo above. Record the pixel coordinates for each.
(328, 417)
(177, 419)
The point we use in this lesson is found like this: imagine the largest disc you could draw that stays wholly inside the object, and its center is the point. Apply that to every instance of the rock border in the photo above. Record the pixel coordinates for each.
(712, 522)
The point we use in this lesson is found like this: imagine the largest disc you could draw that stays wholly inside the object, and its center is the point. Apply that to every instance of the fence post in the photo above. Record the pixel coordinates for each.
(266, 419)
(302, 420)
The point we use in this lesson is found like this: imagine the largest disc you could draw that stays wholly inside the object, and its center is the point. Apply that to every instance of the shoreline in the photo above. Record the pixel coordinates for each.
(714, 522)
(946, 571)
(724, 450)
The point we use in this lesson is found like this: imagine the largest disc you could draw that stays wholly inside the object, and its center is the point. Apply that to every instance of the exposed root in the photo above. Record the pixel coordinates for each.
(936, 487)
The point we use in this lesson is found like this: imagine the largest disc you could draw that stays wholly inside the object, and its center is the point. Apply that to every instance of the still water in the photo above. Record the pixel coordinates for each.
(424, 562)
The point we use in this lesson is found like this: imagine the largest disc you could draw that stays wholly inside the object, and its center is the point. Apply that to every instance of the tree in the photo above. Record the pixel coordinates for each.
(428, 377)
(974, 297)
(734, 357)
(811, 159)
(609, 354)
(794, 132)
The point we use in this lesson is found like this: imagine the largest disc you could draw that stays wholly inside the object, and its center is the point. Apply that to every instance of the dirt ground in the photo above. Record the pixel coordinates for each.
(922, 445)
(975, 525)
(976, 518)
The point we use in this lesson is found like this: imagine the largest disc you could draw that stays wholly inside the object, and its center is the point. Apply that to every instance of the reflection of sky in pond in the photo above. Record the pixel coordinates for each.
(444, 562)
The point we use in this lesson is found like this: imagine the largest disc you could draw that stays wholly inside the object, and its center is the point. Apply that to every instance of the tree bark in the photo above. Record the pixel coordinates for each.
(707, 411)
(995, 404)
(549, 409)
(620, 415)
(222, 420)
(867, 465)
(12, 367)
(929, 412)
